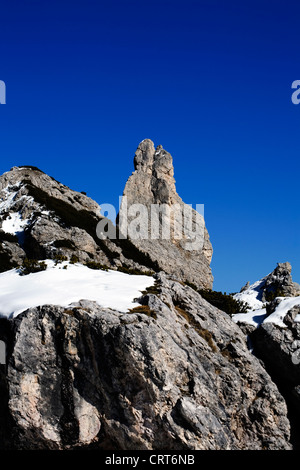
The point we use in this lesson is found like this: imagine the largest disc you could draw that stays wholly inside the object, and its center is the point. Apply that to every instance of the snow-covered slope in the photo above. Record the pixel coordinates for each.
(286, 304)
(252, 295)
(62, 286)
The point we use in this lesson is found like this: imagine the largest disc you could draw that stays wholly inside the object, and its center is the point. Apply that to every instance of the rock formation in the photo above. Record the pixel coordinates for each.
(183, 254)
(263, 293)
(47, 217)
(280, 282)
(275, 339)
(44, 219)
(174, 374)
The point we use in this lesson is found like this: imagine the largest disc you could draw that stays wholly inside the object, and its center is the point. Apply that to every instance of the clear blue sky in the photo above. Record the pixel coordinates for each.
(209, 80)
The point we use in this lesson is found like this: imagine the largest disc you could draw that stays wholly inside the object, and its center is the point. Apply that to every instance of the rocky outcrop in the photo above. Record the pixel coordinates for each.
(174, 373)
(47, 217)
(280, 283)
(273, 330)
(44, 219)
(184, 249)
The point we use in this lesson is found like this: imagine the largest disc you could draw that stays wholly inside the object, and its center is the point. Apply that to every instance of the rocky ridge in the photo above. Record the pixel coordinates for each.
(276, 284)
(44, 219)
(173, 373)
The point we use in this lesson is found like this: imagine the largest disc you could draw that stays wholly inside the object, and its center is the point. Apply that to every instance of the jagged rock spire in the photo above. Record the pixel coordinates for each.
(153, 183)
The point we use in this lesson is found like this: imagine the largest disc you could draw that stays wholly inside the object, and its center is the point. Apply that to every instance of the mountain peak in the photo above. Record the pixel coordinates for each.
(156, 161)
(152, 185)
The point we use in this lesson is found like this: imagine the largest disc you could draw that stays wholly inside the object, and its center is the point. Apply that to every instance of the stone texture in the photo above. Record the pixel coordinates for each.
(174, 374)
(152, 183)
(178, 376)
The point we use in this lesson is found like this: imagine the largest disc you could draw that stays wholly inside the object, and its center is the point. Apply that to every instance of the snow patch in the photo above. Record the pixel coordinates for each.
(62, 287)
(252, 295)
(253, 317)
(258, 316)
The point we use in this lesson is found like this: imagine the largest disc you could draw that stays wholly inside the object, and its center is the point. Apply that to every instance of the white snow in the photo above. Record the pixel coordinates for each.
(8, 201)
(252, 295)
(14, 223)
(282, 309)
(256, 317)
(58, 286)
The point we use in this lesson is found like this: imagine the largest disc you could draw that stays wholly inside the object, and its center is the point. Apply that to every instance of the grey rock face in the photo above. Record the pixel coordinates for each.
(279, 348)
(53, 220)
(42, 207)
(152, 183)
(173, 374)
(277, 342)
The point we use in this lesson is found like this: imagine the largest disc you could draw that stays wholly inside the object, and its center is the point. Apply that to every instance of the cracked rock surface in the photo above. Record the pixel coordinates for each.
(175, 373)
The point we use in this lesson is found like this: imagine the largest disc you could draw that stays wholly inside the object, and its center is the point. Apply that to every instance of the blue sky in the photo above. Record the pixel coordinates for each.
(209, 80)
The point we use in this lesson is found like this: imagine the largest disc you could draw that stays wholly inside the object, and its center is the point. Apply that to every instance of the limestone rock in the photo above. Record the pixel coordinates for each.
(245, 287)
(279, 349)
(41, 218)
(178, 251)
(280, 282)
